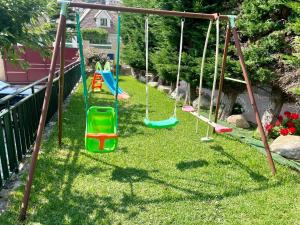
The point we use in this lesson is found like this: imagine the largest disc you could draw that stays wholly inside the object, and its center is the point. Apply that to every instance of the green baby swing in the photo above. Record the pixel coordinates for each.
(101, 122)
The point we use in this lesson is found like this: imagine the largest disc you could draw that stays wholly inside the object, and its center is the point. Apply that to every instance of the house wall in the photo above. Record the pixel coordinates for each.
(103, 15)
(112, 38)
(38, 66)
(2, 70)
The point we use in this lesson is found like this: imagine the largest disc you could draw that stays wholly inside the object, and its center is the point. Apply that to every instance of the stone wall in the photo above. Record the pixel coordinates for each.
(262, 96)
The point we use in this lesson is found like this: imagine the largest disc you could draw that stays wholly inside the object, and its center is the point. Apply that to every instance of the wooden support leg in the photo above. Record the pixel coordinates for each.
(61, 85)
(37, 145)
(222, 75)
(252, 100)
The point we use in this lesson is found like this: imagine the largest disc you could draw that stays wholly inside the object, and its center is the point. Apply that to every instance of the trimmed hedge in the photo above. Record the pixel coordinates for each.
(95, 35)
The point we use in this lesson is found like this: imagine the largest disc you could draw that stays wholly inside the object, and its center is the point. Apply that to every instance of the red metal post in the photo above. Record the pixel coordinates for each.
(37, 145)
(222, 75)
(252, 99)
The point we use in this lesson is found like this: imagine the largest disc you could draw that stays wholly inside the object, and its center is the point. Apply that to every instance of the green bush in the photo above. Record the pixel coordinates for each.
(95, 35)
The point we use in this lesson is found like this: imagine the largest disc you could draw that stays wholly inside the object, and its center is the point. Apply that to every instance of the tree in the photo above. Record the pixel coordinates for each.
(54, 13)
(23, 22)
(164, 35)
(268, 29)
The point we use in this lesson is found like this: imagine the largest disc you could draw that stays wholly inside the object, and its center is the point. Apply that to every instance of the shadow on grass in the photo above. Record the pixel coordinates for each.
(182, 166)
(255, 176)
(134, 175)
(65, 203)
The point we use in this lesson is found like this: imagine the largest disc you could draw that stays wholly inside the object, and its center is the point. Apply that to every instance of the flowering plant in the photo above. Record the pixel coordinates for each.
(287, 124)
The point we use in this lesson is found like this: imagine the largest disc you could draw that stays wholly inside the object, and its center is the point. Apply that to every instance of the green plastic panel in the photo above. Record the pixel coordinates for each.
(107, 66)
(171, 122)
(98, 66)
(101, 120)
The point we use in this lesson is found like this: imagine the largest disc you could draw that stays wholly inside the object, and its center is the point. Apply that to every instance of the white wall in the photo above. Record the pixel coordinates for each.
(2, 71)
(103, 15)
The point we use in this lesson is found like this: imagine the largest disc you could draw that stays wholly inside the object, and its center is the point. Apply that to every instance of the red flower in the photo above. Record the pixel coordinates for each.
(287, 114)
(290, 124)
(294, 116)
(269, 127)
(278, 122)
(280, 118)
(284, 131)
(292, 130)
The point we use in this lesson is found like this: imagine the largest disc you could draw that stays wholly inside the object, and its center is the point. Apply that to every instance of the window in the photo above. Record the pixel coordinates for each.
(103, 2)
(103, 22)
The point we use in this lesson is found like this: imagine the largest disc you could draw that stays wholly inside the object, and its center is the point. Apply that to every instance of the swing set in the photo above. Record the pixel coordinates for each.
(102, 122)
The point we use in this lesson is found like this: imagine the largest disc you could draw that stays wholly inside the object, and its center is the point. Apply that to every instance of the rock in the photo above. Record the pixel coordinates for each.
(126, 70)
(181, 94)
(165, 89)
(133, 73)
(153, 84)
(239, 121)
(287, 146)
(205, 102)
(142, 79)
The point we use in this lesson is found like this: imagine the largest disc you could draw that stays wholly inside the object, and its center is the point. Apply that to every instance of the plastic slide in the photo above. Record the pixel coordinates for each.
(111, 84)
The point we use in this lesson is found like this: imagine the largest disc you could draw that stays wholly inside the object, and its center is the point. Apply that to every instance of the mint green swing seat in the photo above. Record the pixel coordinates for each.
(171, 122)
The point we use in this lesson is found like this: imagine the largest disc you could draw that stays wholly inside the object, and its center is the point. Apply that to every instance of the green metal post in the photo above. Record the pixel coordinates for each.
(82, 63)
(118, 71)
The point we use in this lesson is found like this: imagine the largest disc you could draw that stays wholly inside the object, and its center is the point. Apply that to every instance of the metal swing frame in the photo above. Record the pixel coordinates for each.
(59, 48)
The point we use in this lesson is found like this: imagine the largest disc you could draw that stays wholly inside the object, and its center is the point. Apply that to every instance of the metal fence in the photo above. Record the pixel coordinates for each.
(19, 123)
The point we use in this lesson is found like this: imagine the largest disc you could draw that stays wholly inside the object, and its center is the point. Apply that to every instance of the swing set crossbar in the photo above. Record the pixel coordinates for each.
(146, 11)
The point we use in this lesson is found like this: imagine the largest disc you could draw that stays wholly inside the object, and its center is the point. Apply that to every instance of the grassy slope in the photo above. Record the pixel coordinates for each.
(296, 91)
(156, 176)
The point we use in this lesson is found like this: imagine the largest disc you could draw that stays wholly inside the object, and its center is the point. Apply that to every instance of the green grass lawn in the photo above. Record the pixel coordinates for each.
(157, 176)
(296, 90)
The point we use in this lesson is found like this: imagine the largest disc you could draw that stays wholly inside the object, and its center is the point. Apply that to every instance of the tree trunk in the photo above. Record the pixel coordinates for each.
(193, 93)
(227, 103)
(173, 86)
(274, 108)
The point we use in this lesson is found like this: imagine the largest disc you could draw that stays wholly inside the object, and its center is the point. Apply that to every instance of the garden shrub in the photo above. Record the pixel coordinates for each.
(95, 35)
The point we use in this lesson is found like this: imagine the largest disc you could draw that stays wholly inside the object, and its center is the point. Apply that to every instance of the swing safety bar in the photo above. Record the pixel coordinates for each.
(101, 138)
(235, 80)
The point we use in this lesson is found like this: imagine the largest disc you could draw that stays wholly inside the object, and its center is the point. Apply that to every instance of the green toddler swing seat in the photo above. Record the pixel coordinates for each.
(101, 131)
(101, 122)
